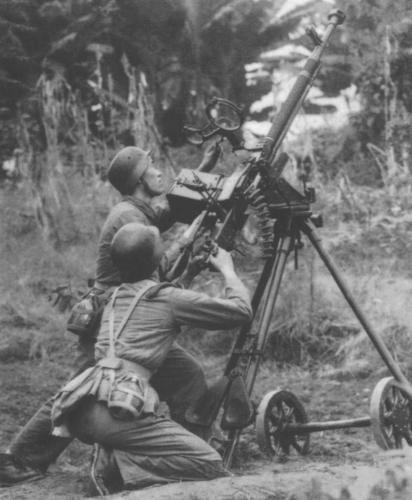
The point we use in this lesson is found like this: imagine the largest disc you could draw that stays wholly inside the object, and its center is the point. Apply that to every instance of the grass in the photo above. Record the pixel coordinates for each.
(312, 329)
(311, 325)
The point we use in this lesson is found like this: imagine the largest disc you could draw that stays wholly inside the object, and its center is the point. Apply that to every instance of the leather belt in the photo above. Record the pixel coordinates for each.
(136, 368)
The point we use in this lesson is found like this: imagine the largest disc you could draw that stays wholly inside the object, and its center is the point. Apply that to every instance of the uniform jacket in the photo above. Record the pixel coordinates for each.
(128, 210)
(148, 335)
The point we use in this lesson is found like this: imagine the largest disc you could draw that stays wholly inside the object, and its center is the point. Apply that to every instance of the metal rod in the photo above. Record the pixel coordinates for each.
(377, 341)
(263, 299)
(299, 91)
(297, 428)
(233, 438)
(257, 297)
(272, 289)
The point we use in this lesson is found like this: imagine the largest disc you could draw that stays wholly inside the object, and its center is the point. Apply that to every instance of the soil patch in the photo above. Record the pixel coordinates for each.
(335, 457)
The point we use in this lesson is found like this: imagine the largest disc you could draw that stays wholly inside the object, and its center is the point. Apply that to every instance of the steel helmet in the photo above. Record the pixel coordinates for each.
(127, 168)
(136, 250)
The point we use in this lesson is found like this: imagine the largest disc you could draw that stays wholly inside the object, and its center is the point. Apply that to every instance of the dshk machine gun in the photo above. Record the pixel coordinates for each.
(219, 205)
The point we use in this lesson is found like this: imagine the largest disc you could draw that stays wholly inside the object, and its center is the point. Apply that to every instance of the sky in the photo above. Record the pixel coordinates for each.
(291, 4)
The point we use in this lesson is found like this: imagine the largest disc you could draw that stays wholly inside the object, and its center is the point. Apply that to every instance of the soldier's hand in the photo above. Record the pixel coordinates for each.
(196, 264)
(222, 261)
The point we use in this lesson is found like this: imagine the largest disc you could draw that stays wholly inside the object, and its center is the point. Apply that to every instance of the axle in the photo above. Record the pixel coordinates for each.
(297, 428)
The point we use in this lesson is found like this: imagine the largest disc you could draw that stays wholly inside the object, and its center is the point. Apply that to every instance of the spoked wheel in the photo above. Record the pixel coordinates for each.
(276, 410)
(391, 415)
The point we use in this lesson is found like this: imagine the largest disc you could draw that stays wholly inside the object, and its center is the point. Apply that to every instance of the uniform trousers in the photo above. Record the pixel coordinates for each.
(147, 450)
(180, 381)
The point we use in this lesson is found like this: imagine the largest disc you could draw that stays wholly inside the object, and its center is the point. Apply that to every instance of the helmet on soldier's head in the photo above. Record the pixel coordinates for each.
(136, 251)
(127, 168)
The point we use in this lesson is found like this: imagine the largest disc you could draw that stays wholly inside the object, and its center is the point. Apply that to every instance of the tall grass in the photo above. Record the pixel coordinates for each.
(311, 324)
(31, 269)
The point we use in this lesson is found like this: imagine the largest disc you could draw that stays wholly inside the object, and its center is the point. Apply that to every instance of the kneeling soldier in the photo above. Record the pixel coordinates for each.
(113, 403)
(180, 379)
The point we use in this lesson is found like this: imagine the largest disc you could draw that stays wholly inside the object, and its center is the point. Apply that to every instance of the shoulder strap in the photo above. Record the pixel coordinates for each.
(113, 336)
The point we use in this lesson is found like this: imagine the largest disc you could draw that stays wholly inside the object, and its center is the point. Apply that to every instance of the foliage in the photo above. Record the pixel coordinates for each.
(96, 54)
(17, 57)
(187, 50)
(379, 38)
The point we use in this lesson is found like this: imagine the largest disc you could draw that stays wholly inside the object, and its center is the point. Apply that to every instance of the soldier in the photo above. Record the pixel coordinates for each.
(114, 403)
(179, 381)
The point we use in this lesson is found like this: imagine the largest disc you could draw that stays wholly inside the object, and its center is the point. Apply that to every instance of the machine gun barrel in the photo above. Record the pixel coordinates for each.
(291, 106)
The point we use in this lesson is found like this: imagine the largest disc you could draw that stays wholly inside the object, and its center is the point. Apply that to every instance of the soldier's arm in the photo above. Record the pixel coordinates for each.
(201, 310)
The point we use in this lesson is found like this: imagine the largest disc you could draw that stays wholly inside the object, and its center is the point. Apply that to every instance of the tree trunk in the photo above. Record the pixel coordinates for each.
(41, 163)
(141, 119)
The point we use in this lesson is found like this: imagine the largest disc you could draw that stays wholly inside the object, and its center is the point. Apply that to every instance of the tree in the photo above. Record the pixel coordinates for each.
(380, 43)
(134, 71)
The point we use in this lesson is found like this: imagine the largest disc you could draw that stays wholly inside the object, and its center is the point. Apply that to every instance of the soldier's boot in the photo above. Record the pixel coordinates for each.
(14, 471)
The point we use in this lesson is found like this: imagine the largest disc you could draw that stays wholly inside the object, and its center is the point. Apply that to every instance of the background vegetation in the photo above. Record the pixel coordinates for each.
(81, 78)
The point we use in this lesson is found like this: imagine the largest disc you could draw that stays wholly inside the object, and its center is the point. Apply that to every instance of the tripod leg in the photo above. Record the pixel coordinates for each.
(257, 297)
(377, 341)
(270, 297)
(269, 302)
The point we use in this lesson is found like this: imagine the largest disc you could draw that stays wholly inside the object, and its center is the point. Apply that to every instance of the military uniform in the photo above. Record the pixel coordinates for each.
(179, 381)
(149, 449)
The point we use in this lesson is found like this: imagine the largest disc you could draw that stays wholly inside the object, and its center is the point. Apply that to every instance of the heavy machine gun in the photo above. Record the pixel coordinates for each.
(259, 182)
(220, 205)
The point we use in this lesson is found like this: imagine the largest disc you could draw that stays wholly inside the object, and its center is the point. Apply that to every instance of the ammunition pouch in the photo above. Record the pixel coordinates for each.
(85, 316)
(127, 397)
(128, 388)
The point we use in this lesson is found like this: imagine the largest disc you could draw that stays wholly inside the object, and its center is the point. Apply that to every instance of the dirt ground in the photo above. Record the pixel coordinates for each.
(335, 458)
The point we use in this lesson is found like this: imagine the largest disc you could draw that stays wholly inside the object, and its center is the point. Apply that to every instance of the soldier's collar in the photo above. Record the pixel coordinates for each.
(144, 207)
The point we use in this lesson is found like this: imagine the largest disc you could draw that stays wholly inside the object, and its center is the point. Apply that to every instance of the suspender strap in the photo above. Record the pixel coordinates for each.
(113, 336)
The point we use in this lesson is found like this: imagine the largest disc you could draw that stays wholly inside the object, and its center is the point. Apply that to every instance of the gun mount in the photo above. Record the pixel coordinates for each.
(285, 215)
